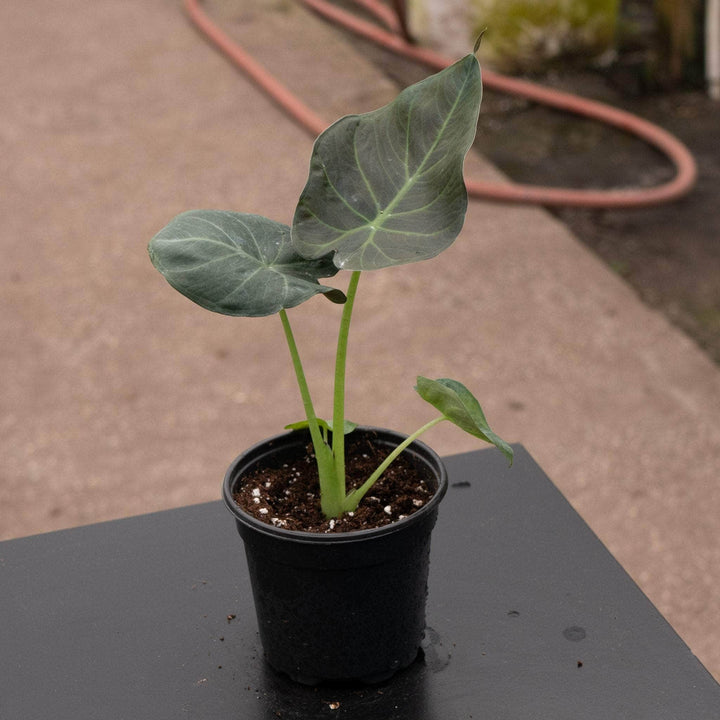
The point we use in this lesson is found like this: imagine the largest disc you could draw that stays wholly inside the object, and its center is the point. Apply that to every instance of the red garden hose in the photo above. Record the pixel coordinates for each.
(392, 39)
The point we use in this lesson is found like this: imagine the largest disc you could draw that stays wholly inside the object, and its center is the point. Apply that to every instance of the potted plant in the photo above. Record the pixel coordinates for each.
(338, 562)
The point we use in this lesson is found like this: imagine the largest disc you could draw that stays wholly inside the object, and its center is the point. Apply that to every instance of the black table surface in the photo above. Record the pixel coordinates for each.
(529, 618)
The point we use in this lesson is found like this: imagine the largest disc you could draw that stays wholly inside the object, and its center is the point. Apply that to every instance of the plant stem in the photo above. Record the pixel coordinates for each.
(352, 500)
(330, 499)
(339, 391)
(301, 380)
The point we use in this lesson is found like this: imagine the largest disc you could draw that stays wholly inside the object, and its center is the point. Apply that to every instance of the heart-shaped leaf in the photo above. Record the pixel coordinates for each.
(386, 188)
(460, 406)
(237, 263)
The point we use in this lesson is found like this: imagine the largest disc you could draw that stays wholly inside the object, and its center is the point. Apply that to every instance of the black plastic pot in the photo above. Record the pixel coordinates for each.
(345, 606)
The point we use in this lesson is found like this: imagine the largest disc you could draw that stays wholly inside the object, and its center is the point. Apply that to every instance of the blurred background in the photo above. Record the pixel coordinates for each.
(592, 336)
(659, 59)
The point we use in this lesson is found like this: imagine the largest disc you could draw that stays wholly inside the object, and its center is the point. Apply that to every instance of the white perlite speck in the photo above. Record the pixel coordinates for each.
(256, 492)
(263, 511)
(388, 509)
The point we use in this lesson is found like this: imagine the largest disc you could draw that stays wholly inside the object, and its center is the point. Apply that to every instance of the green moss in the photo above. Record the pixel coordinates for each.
(621, 267)
(708, 317)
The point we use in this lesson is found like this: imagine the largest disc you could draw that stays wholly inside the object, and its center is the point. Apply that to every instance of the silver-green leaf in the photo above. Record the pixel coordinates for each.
(386, 188)
(237, 263)
(461, 407)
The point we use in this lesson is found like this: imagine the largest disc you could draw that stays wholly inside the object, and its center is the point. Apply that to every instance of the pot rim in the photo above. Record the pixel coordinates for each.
(427, 454)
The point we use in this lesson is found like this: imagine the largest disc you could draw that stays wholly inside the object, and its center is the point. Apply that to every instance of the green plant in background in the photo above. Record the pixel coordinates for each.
(524, 34)
(385, 188)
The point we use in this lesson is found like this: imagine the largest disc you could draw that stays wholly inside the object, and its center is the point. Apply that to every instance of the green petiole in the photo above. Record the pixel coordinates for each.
(339, 389)
(331, 495)
(352, 500)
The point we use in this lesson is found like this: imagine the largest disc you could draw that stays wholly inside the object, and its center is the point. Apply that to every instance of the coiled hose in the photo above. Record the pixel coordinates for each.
(392, 39)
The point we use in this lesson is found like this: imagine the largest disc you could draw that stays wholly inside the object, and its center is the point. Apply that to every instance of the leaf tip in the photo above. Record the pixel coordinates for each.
(510, 455)
(479, 40)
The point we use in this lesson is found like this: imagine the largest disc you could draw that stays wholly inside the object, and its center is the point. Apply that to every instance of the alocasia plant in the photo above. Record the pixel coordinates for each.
(385, 188)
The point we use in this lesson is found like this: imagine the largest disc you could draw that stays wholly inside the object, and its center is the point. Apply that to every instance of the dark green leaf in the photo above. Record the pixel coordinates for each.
(386, 188)
(236, 263)
(459, 406)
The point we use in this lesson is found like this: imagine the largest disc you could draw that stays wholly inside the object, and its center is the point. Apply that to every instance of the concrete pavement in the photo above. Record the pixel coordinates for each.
(118, 396)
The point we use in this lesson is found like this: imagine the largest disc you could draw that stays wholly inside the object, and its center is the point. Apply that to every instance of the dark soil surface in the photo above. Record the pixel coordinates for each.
(287, 497)
(670, 254)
